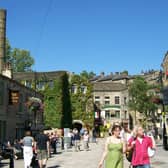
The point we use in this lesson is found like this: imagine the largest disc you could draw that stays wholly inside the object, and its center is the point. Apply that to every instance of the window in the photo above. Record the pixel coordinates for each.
(97, 97)
(106, 102)
(83, 89)
(107, 114)
(117, 114)
(40, 85)
(13, 97)
(28, 84)
(117, 100)
(74, 89)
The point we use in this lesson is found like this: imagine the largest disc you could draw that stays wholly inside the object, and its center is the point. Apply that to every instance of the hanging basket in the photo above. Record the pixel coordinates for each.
(35, 104)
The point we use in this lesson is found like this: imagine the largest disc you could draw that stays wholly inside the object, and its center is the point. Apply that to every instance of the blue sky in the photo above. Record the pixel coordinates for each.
(92, 35)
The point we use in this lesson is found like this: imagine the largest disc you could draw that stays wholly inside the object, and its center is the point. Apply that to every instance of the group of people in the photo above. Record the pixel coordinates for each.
(38, 147)
(123, 141)
(76, 136)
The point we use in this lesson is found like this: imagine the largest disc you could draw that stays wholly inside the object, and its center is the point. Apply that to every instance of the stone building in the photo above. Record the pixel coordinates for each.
(15, 116)
(165, 69)
(110, 95)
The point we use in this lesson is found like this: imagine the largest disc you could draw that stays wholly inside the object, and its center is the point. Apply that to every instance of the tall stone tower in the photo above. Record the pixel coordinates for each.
(2, 38)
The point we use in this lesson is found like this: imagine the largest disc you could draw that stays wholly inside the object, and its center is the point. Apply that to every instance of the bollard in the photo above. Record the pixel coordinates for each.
(62, 143)
(11, 159)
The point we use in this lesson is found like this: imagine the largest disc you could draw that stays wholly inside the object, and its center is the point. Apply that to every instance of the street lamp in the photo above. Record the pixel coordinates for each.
(164, 96)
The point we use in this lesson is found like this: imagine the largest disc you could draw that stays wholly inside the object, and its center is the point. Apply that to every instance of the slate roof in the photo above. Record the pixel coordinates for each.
(111, 77)
(109, 86)
(38, 75)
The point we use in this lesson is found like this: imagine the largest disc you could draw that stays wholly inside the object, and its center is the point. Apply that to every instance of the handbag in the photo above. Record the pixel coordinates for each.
(129, 155)
(151, 152)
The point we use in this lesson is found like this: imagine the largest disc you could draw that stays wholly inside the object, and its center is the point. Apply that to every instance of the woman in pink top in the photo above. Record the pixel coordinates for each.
(140, 144)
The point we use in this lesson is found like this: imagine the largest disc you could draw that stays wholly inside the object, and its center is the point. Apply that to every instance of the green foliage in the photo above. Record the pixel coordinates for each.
(67, 111)
(87, 75)
(57, 104)
(53, 105)
(125, 72)
(21, 60)
(82, 103)
(141, 98)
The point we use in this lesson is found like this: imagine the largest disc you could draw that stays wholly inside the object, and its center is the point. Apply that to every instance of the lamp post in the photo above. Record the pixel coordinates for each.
(164, 102)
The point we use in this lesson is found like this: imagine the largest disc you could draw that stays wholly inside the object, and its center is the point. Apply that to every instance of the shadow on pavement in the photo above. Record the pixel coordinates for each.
(54, 166)
(3, 164)
(53, 154)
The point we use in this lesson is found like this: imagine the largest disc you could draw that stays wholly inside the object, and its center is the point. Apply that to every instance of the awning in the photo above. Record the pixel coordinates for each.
(111, 107)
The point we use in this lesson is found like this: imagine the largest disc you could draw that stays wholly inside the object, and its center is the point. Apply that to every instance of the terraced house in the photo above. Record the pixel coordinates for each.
(110, 95)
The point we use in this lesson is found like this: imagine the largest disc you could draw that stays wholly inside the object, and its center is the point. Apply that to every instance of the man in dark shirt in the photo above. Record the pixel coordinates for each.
(42, 148)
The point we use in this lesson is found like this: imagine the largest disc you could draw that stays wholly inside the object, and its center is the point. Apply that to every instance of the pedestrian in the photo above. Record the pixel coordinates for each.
(42, 146)
(86, 140)
(94, 135)
(114, 149)
(28, 142)
(76, 140)
(125, 133)
(54, 140)
(140, 145)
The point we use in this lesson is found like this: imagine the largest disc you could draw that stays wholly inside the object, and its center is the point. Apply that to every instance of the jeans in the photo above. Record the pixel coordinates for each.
(142, 166)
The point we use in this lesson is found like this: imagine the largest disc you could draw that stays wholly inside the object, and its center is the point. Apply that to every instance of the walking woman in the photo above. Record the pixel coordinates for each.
(28, 149)
(114, 149)
(140, 145)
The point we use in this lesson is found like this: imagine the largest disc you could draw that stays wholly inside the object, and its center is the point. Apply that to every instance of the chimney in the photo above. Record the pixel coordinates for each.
(2, 38)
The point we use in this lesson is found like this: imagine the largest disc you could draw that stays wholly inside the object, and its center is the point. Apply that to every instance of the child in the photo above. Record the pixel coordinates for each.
(86, 140)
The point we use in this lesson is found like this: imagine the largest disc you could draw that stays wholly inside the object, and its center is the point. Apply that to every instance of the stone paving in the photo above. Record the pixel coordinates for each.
(90, 159)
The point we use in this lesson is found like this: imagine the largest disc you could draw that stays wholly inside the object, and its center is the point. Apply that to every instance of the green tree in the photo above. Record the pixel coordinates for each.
(67, 111)
(87, 75)
(141, 99)
(21, 60)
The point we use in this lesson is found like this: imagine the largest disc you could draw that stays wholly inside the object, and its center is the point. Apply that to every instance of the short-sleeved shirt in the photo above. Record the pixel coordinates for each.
(28, 141)
(42, 140)
(140, 151)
